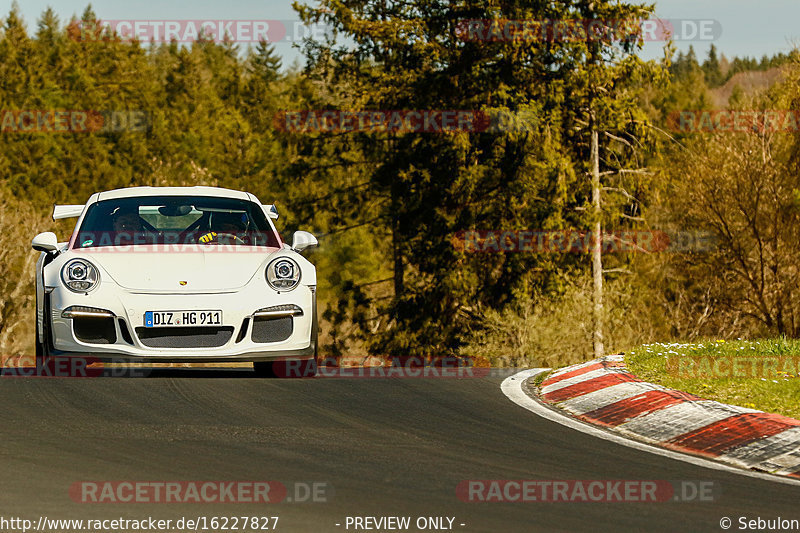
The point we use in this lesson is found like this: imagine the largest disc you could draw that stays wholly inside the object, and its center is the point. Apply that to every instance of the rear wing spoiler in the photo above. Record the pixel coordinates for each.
(67, 211)
(271, 211)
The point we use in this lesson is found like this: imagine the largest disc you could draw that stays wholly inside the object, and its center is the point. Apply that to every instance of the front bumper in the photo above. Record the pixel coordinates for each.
(251, 357)
(239, 319)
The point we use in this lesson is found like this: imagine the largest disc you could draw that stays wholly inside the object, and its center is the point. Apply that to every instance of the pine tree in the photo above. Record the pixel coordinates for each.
(711, 68)
(410, 56)
(264, 63)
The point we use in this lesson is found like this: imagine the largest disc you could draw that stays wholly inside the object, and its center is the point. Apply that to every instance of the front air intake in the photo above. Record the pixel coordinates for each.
(267, 329)
(94, 330)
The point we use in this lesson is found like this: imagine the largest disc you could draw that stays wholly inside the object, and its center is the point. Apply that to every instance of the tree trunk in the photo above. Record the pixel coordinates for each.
(597, 250)
(397, 255)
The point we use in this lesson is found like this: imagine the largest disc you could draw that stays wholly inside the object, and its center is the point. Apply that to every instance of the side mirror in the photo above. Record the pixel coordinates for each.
(45, 242)
(271, 211)
(302, 240)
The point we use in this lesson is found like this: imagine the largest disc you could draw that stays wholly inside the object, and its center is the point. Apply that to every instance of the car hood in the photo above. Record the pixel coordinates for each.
(203, 269)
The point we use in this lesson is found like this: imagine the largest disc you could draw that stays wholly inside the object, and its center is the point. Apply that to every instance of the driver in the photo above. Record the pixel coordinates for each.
(228, 226)
(126, 222)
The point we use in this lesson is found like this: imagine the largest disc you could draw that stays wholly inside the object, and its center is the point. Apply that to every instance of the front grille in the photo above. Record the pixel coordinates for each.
(95, 330)
(272, 329)
(184, 337)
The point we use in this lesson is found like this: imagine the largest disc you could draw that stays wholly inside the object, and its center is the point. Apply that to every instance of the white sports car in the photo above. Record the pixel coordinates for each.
(175, 274)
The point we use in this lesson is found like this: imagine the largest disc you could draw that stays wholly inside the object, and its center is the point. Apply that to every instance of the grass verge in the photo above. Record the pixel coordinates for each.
(759, 374)
(539, 378)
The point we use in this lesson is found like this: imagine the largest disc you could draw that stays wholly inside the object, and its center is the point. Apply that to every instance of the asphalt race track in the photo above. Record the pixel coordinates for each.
(384, 447)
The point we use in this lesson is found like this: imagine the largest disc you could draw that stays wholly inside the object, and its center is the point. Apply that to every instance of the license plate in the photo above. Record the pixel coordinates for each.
(164, 319)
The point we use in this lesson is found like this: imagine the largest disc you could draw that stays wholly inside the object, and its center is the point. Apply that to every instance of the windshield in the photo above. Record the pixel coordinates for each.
(175, 220)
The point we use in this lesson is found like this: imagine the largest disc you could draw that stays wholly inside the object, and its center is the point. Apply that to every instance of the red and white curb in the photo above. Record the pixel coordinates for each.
(517, 390)
(602, 392)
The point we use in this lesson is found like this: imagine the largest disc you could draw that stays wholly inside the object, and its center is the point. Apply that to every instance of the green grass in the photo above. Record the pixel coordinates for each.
(539, 378)
(759, 374)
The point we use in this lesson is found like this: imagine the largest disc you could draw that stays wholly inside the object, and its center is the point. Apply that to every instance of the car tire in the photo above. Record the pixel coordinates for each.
(46, 363)
(43, 357)
(292, 368)
(312, 365)
(264, 369)
(39, 345)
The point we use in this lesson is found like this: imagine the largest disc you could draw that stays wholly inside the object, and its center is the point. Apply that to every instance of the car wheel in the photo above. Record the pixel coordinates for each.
(291, 368)
(43, 357)
(311, 365)
(264, 369)
(39, 345)
(46, 362)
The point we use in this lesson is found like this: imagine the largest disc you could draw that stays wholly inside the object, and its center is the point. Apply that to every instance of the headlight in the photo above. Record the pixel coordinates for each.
(283, 274)
(79, 275)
